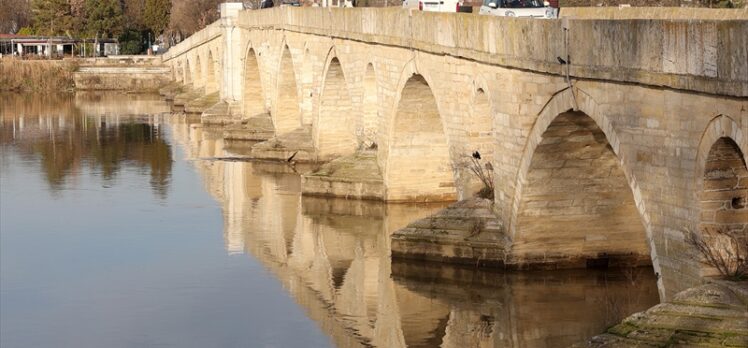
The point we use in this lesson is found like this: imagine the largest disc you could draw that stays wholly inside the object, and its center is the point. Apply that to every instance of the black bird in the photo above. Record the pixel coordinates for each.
(476, 155)
(561, 61)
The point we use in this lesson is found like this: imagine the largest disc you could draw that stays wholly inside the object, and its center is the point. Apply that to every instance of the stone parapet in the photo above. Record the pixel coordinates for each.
(659, 13)
(707, 56)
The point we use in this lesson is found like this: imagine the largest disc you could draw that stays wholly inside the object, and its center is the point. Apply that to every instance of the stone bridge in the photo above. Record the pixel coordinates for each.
(607, 138)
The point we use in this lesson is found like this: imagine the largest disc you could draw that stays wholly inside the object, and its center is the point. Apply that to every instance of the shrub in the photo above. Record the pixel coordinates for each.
(484, 173)
(722, 250)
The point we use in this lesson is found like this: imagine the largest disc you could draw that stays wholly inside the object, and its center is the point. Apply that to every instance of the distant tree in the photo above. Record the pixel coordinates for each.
(131, 42)
(104, 18)
(53, 17)
(14, 15)
(26, 31)
(189, 16)
(78, 8)
(156, 15)
(133, 10)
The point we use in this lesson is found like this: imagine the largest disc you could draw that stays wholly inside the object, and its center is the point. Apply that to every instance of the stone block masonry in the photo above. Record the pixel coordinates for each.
(613, 165)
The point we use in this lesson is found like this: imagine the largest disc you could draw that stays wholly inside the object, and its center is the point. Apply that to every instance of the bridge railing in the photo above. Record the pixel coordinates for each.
(708, 56)
(208, 33)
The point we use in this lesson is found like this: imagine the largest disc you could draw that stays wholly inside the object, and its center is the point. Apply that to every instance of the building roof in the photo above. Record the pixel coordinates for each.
(30, 39)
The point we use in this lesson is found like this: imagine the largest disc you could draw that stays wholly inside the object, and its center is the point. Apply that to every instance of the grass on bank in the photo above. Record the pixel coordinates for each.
(36, 75)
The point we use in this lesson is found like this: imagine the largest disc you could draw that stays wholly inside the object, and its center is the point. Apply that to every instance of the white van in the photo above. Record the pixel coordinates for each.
(434, 5)
(518, 8)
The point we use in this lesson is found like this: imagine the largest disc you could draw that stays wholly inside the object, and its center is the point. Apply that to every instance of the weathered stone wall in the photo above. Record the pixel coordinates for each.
(661, 92)
(650, 3)
(672, 13)
(135, 79)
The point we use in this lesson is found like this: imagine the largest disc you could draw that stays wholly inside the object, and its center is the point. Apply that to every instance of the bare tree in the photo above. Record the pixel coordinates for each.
(14, 14)
(722, 250)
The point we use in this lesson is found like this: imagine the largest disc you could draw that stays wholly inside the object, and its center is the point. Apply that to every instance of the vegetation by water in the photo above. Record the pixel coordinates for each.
(36, 75)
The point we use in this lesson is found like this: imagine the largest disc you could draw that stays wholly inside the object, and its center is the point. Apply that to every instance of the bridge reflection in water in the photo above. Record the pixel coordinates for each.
(332, 256)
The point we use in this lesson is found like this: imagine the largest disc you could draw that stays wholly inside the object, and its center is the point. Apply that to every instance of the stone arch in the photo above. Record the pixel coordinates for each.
(287, 113)
(418, 166)
(722, 183)
(335, 129)
(547, 203)
(367, 128)
(211, 84)
(254, 94)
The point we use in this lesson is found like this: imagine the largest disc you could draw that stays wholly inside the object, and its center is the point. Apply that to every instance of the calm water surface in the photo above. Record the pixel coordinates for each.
(122, 225)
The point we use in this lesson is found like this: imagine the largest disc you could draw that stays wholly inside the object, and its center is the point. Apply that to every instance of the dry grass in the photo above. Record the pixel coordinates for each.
(36, 75)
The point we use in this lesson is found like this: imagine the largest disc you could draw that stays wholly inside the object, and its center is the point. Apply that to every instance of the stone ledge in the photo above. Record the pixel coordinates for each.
(255, 128)
(171, 90)
(354, 177)
(188, 94)
(297, 143)
(466, 232)
(711, 315)
(201, 104)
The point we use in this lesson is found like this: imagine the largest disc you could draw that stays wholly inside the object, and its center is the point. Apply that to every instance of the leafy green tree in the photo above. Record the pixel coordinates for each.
(104, 18)
(53, 17)
(156, 15)
(131, 42)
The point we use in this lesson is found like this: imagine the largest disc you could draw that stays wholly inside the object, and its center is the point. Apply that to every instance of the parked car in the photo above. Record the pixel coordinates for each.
(518, 8)
(437, 5)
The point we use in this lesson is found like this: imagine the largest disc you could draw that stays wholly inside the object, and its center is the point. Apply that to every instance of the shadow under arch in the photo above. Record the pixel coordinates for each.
(721, 186)
(594, 136)
(253, 93)
(335, 127)
(418, 163)
(286, 112)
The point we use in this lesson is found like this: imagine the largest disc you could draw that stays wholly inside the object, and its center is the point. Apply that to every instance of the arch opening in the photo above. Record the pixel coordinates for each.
(723, 221)
(336, 124)
(418, 164)
(287, 115)
(211, 85)
(254, 95)
(577, 209)
(367, 128)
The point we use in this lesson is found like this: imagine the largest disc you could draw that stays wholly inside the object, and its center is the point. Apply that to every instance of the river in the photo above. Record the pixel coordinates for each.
(124, 225)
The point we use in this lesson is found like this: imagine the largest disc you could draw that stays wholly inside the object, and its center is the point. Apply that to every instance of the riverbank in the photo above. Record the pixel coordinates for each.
(120, 73)
(37, 75)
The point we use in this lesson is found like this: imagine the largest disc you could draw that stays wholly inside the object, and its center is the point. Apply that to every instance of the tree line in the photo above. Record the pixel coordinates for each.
(133, 22)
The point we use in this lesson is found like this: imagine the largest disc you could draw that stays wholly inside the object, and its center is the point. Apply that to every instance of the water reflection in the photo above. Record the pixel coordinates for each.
(332, 256)
(105, 132)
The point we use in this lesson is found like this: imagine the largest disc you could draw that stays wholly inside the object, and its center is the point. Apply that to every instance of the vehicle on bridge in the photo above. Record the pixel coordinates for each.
(437, 5)
(518, 8)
